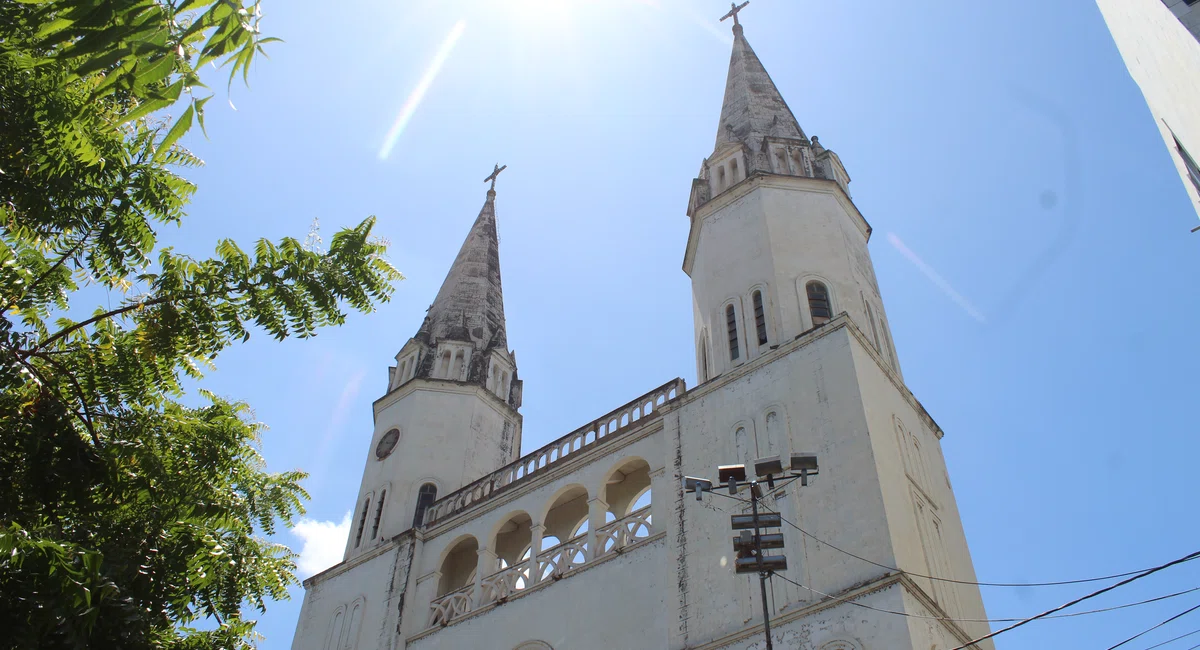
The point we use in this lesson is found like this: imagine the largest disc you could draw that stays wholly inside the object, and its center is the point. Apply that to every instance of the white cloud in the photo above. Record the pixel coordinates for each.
(324, 543)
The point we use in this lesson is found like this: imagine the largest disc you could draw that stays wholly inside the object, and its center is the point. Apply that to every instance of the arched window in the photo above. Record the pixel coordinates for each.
(362, 521)
(818, 303)
(733, 170)
(731, 324)
(742, 444)
(444, 366)
(702, 355)
(760, 317)
(720, 178)
(426, 495)
(378, 514)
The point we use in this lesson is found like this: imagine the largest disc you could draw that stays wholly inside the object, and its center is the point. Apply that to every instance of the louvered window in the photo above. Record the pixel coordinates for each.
(731, 324)
(760, 318)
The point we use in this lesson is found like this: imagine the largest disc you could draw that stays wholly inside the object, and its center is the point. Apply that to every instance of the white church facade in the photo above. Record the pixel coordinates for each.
(590, 542)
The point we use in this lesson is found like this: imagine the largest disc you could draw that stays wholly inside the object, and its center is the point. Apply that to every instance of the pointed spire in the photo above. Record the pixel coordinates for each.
(753, 107)
(470, 305)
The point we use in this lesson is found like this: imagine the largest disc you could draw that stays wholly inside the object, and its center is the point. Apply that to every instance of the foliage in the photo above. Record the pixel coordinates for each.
(127, 518)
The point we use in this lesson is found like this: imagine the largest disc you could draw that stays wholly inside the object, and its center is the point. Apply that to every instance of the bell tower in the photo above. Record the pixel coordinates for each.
(450, 414)
(776, 245)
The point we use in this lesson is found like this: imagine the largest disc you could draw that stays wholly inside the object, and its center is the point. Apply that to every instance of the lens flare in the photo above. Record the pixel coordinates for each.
(418, 93)
(936, 278)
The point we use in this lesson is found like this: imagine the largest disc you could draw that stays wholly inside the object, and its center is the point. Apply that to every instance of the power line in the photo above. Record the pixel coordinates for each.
(989, 620)
(1143, 574)
(1155, 627)
(961, 582)
(1181, 636)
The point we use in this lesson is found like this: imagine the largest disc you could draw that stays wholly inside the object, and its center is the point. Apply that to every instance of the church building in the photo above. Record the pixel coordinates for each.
(459, 540)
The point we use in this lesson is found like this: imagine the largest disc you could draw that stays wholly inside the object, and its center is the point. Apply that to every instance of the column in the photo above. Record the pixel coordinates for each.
(660, 500)
(596, 509)
(535, 547)
(485, 566)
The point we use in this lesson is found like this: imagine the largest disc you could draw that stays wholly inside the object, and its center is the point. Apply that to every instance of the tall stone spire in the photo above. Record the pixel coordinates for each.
(753, 108)
(470, 305)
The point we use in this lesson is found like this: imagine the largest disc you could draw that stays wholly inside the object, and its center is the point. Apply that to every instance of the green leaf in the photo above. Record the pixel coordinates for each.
(180, 127)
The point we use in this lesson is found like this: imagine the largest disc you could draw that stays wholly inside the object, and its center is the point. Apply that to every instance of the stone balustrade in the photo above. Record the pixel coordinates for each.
(594, 433)
(552, 564)
(451, 606)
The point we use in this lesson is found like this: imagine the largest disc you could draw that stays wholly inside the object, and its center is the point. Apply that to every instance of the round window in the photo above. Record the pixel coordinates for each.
(387, 443)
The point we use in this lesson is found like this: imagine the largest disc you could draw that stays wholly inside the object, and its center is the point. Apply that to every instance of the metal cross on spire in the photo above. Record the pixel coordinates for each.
(734, 8)
(495, 172)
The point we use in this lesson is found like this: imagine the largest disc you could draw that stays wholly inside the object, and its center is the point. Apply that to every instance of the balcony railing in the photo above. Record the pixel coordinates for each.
(586, 437)
(552, 564)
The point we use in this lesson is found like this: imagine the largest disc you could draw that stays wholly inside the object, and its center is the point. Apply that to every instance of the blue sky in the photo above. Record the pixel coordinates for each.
(1002, 144)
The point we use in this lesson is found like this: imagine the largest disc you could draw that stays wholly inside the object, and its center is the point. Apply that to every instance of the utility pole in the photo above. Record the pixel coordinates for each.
(749, 546)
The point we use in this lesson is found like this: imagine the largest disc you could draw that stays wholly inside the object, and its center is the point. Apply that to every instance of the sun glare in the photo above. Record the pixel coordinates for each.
(418, 93)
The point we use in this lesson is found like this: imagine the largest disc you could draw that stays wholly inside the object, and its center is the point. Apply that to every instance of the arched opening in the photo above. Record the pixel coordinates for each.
(818, 302)
(760, 317)
(511, 544)
(720, 178)
(626, 485)
(627, 492)
(741, 441)
(563, 545)
(733, 170)
(731, 327)
(458, 568)
(444, 366)
(426, 495)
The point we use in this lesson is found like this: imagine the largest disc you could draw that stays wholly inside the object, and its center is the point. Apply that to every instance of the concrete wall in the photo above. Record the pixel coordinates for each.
(1164, 60)
(353, 605)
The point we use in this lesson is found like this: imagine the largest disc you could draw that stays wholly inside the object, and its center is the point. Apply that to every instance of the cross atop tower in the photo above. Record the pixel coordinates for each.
(734, 8)
(495, 173)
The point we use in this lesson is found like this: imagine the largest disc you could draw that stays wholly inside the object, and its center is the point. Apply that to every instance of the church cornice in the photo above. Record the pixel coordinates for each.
(444, 386)
(769, 180)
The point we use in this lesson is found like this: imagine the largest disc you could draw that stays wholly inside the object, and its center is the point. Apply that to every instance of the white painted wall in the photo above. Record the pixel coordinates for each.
(1164, 60)
(451, 433)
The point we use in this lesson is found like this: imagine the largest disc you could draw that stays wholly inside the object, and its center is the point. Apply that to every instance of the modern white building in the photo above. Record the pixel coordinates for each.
(1163, 57)
(461, 541)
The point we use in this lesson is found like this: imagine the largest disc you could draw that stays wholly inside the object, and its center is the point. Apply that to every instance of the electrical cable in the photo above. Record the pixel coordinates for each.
(1143, 574)
(1181, 636)
(1155, 627)
(961, 582)
(989, 620)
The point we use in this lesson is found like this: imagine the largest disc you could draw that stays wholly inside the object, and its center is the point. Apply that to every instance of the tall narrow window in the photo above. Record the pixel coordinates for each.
(731, 324)
(444, 366)
(720, 178)
(1192, 168)
(818, 303)
(362, 521)
(733, 170)
(378, 515)
(760, 317)
(874, 330)
(702, 355)
(426, 495)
